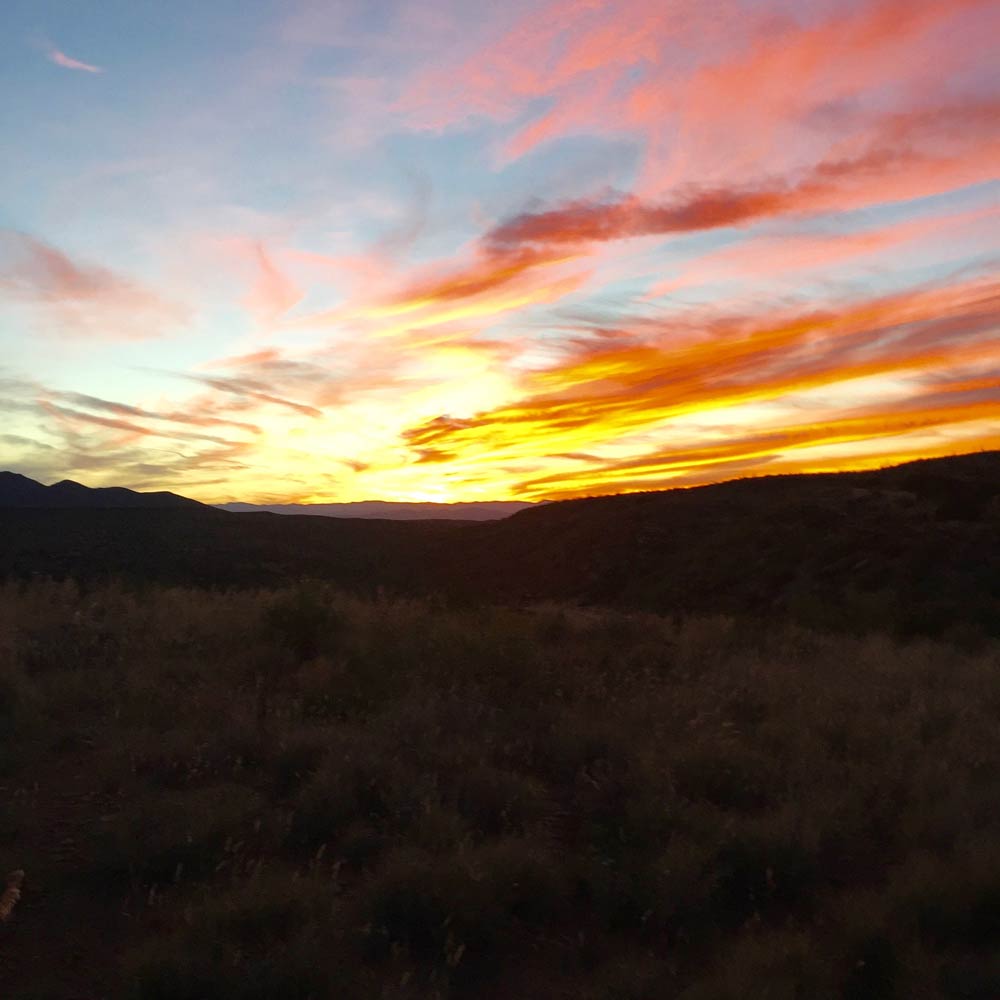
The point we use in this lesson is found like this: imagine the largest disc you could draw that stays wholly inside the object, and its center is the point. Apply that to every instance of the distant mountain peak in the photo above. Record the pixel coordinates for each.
(17, 490)
(391, 510)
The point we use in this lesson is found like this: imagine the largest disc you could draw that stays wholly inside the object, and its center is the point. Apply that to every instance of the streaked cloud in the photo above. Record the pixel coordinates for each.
(889, 171)
(79, 298)
(610, 392)
(68, 62)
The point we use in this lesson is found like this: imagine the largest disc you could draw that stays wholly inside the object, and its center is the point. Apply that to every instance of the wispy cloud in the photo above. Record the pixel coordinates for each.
(110, 443)
(78, 298)
(253, 390)
(272, 293)
(68, 62)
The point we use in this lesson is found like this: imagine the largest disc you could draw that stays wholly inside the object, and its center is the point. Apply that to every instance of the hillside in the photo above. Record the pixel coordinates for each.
(917, 545)
(915, 548)
(215, 548)
(20, 491)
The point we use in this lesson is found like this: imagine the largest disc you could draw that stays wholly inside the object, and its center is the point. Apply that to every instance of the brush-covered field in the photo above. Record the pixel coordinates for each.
(293, 793)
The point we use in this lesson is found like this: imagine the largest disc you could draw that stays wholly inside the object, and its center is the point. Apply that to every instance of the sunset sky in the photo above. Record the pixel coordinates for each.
(306, 250)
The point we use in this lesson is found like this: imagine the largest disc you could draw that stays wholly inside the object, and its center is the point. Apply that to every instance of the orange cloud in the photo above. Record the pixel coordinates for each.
(975, 399)
(622, 386)
(453, 298)
(490, 272)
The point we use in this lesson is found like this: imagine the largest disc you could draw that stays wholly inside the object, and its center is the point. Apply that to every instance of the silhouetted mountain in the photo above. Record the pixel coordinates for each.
(486, 510)
(915, 548)
(20, 491)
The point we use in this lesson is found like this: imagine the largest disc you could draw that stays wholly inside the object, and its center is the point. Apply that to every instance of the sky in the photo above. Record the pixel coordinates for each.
(454, 250)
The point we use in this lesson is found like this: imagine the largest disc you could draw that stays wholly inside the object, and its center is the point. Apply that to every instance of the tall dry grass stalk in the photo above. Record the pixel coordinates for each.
(11, 894)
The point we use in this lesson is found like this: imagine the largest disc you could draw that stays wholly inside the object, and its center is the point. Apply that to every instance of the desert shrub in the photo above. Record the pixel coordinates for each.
(345, 790)
(760, 872)
(776, 964)
(439, 828)
(970, 977)
(573, 741)
(952, 904)
(728, 776)
(295, 759)
(493, 801)
(410, 904)
(635, 977)
(300, 621)
(619, 897)
(177, 974)
(524, 877)
(873, 969)
(180, 758)
(168, 835)
(11, 695)
(460, 915)
(252, 941)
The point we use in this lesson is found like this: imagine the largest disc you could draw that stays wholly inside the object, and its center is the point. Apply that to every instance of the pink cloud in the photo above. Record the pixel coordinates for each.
(671, 75)
(773, 256)
(79, 298)
(804, 81)
(68, 62)
(273, 293)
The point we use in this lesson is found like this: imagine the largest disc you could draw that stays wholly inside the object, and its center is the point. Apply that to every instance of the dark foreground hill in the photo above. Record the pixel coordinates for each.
(20, 491)
(915, 548)
(917, 545)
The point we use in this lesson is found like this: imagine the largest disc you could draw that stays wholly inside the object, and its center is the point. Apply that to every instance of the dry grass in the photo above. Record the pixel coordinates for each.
(307, 795)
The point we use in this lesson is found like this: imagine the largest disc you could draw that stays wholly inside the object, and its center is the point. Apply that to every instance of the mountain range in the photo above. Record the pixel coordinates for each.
(481, 510)
(20, 491)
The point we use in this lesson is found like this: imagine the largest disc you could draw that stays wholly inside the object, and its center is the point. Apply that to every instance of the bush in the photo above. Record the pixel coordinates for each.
(729, 777)
(169, 835)
(301, 622)
(495, 802)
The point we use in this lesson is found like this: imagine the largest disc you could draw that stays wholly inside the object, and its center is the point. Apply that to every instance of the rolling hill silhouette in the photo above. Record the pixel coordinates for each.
(914, 548)
(20, 491)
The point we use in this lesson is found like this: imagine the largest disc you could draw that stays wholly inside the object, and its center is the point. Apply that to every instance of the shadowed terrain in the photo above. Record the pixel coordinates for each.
(913, 549)
(295, 793)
